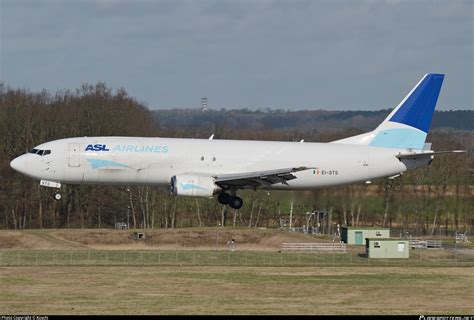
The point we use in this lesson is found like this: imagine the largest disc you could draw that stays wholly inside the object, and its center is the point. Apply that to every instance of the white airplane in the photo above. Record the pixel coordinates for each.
(209, 167)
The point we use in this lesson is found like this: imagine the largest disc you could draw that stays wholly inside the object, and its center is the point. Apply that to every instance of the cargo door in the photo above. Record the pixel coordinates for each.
(74, 155)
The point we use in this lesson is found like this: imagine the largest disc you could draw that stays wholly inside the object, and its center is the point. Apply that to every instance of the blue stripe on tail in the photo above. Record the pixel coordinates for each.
(417, 110)
(399, 138)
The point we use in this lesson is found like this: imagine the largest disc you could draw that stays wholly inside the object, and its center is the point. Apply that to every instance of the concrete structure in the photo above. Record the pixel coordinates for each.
(357, 235)
(387, 248)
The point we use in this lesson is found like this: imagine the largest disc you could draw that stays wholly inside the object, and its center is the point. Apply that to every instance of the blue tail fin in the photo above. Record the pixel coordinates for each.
(408, 124)
(416, 110)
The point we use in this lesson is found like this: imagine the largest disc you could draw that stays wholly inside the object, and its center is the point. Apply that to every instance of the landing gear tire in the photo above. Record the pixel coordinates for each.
(57, 196)
(236, 203)
(224, 198)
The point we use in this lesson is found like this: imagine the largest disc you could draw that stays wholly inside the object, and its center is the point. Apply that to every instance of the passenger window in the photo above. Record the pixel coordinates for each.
(40, 152)
(46, 152)
(34, 151)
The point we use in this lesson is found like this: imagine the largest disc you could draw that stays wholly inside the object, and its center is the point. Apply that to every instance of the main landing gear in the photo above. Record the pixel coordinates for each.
(233, 201)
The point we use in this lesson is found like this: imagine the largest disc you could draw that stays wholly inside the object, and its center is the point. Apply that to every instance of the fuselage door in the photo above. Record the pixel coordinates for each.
(74, 155)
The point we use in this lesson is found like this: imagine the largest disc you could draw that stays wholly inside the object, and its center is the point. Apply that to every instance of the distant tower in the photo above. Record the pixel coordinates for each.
(204, 104)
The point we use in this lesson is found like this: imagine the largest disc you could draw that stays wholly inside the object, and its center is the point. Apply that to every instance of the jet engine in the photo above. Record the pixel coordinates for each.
(193, 185)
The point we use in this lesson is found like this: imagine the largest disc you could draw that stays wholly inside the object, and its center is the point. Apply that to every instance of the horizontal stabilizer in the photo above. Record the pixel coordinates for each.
(424, 154)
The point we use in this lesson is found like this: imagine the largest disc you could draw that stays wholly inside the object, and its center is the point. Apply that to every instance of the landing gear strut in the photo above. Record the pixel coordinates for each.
(233, 201)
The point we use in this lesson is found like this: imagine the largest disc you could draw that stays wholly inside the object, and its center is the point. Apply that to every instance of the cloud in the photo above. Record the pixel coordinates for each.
(299, 54)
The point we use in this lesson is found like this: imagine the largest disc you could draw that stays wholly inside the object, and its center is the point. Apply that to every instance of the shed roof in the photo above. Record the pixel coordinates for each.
(366, 228)
(386, 239)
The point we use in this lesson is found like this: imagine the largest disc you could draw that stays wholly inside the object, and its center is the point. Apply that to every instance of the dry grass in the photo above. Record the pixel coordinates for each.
(84, 285)
(158, 239)
(30, 240)
(235, 290)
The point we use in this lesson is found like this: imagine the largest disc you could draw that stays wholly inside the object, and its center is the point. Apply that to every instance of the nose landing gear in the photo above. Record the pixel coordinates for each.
(233, 201)
(52, 184)
(57, 195)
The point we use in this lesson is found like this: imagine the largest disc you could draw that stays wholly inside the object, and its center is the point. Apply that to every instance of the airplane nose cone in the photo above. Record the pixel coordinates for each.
(19, 164)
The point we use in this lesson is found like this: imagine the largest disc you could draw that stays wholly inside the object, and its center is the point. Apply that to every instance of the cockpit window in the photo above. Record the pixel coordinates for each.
(40, 152)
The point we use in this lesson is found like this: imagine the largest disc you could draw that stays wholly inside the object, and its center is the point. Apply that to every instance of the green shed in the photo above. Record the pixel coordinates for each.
(356, 235)
(387, 248)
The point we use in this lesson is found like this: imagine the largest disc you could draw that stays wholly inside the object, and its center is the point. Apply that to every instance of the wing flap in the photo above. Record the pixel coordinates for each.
(258, 178)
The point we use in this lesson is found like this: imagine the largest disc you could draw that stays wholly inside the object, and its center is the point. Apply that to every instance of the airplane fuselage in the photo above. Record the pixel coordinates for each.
(153, 161)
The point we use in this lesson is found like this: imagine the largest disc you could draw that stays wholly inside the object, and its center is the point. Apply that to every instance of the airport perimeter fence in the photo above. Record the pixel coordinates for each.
(419, 258)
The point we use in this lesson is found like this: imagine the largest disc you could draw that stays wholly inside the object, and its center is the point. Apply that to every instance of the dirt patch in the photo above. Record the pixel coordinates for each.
(158, 239)
(205, 239)
(30, 240)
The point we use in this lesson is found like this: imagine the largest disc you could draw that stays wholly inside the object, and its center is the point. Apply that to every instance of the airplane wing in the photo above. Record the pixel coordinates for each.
(257, 178)
(401, 156)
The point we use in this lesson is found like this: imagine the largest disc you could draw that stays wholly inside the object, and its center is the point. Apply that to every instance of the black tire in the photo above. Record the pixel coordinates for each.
(224, 198)
(236, 203)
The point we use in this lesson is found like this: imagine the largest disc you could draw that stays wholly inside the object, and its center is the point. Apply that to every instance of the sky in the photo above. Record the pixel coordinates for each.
(334, 55)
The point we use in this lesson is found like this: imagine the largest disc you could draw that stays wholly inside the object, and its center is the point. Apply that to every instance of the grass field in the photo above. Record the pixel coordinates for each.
(235, 290)
(193, 272)
(418, 258)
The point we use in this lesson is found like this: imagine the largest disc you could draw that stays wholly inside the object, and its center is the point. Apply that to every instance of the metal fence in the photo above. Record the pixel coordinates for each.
(315, 247)
(418, 258)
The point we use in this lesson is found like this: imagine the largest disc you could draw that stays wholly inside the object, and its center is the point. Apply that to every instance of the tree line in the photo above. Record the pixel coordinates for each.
(307, 120)
(440, 197)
